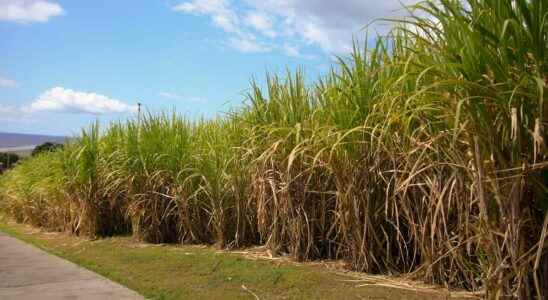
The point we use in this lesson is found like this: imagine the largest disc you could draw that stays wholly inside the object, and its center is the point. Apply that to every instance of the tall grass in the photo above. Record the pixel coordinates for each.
(424, 154)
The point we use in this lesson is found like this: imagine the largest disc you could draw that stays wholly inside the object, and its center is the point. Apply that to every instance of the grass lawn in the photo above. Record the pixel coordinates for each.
(194, 272)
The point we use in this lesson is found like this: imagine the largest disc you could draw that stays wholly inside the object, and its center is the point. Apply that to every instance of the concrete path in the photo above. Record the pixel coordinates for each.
(27, 272)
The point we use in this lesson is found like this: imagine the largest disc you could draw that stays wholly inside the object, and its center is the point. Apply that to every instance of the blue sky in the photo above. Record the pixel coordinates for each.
(64, 64)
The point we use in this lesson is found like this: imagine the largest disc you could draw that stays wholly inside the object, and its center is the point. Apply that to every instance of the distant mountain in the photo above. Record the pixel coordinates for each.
(18, 140)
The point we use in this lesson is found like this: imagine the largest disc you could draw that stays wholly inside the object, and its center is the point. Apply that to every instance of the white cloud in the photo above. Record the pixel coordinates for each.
(331, 25)
(328, 25)
(261, 22)
(8, 83)
(29, 11)
(7, 110)
(218, 10)
(223, 16)
(59, 99)
(177, 97)
(294, 51)
(247, 45)
(13, 113)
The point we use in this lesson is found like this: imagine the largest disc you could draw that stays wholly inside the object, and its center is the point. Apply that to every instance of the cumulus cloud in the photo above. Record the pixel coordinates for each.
(59, 99)
(329, 25)
(29, 11)
(177, 97)
(8, 83)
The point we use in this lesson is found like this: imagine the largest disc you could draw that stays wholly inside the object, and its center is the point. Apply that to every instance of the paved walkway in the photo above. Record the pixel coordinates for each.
(27, 272)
